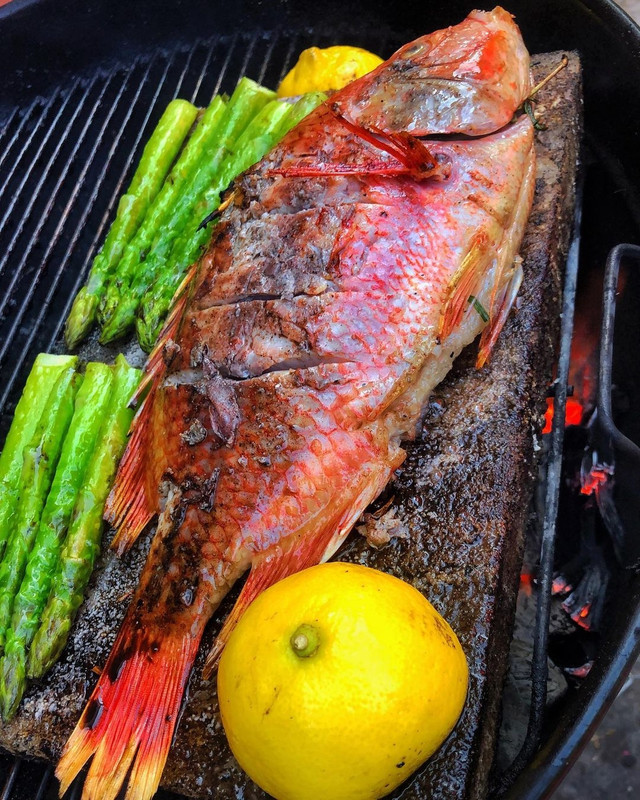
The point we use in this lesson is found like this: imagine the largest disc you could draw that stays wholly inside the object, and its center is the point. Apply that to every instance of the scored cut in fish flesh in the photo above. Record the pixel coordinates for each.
(348, 270)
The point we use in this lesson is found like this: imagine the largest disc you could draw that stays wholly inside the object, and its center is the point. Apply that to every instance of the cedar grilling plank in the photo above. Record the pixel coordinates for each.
(461, 499)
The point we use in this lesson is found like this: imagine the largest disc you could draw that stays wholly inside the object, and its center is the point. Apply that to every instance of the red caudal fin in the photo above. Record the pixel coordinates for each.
(305, 548)
(129, 721)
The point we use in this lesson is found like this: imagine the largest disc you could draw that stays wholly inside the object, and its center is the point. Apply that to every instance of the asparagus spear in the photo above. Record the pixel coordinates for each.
(121, 303)
(303, 106)
(194, 152)
(157, 158)
(264, 131)
(161, 280)
(45, 372)
(83, 539)
(90, 406)
(256, 140)
(40, 460)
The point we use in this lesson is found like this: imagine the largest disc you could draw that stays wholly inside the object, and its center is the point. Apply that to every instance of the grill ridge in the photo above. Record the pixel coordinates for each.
(203, 71)
(225, 64)
(27, 174)
(7, 125)
(54, 195)
(26, 116)
(5, 130)
(31, 204)
(11, 779)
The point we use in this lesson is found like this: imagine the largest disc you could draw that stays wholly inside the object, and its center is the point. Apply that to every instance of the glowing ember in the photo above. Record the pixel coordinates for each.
(594, 474)
(573, 413)
(581, 616)
(583, 369)
(561, 585)
(594, 480)
(579, 672)
(526, 583)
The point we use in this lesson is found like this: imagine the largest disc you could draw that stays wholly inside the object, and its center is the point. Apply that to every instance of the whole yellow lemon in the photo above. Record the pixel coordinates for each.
(327, 69)
(337, 683)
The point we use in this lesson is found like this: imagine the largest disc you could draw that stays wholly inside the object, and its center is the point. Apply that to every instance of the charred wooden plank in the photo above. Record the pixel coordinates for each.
(461, 499)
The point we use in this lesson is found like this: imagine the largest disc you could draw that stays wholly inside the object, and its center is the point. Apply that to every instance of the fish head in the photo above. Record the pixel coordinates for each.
(466, 79)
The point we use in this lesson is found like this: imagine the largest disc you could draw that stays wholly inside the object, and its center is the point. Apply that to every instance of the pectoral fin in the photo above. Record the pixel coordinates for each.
(465, 283)
(499, 313)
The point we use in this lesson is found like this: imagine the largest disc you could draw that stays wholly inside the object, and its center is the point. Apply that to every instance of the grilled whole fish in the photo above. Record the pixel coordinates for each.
(349, 269)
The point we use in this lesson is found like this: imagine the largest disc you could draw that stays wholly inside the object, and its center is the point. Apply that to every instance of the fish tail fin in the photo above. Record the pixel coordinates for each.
(128, 723)
(465, 283)
(499, 313)
(305, 549)
(129, 507)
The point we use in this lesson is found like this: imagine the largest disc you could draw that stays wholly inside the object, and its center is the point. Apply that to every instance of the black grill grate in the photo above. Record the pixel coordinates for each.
(27, 780)
(65, 159)
(24, 779)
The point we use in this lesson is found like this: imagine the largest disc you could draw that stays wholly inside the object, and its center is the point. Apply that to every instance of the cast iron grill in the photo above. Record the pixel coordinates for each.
(65, 157)
(21, 776)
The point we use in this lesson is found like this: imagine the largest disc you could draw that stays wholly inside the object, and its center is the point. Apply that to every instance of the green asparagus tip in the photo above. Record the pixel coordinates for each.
(148, 330)
(81, 318)
(53, 360)
(119, 324)
(12, 681)
(109, 302)
(49, 641)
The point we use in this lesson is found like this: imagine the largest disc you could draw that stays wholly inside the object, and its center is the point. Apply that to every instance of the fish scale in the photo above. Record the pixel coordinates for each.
(276, 415)
(249, 338)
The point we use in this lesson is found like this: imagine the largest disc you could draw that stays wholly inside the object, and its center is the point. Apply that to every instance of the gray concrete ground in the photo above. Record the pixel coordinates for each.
(609, 767)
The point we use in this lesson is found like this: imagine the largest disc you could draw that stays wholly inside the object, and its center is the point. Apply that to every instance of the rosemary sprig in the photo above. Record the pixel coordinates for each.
(563, 63)
(527, 105)
(482, 311)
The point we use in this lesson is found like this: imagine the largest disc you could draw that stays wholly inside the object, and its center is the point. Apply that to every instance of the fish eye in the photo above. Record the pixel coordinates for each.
(413, 50)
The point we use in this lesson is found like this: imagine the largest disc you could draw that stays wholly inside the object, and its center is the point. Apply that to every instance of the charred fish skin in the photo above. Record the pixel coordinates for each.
(300, 354)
